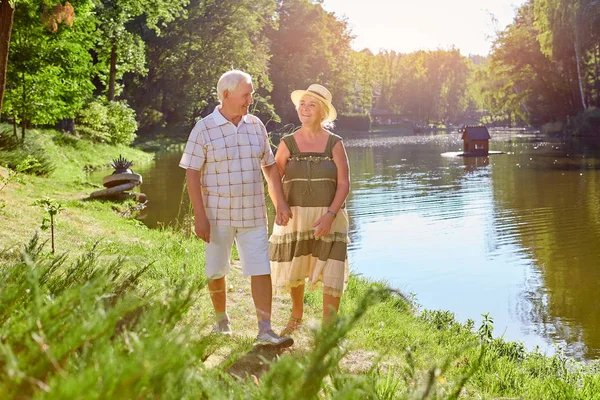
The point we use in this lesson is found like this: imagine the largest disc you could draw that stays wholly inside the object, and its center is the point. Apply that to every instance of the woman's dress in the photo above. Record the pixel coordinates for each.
(297, 256)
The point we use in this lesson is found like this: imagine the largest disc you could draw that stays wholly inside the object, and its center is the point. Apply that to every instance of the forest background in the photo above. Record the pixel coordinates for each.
(113, 69)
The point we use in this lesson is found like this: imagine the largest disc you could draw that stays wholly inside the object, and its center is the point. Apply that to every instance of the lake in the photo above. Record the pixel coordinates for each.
(514, 235)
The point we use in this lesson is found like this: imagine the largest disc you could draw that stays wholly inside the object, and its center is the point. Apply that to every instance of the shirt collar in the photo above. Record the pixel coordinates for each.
(221, 120)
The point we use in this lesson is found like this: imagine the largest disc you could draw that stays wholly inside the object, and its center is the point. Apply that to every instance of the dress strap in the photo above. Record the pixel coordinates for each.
(331, 142)
(290, 142)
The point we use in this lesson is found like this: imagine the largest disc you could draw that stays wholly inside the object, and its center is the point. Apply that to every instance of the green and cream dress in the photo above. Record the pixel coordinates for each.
(297, 256)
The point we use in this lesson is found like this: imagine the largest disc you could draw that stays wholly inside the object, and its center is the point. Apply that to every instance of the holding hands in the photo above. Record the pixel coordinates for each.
(283, 214)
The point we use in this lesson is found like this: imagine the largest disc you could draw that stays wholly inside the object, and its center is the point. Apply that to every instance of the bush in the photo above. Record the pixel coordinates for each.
(8, 141)
(27, 157)
(111, 122)
(151, 119)
(588, 122)
(354, 122)
(552, 127)
(92, 122)
(121, 122)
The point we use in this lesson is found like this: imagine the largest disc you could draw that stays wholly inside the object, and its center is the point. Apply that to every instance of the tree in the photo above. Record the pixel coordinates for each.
(565, 29)
(523, 82)
(310, 45)
(120, 50)
(7, 9)
(50, 68)
(185, 62)
(363, 69)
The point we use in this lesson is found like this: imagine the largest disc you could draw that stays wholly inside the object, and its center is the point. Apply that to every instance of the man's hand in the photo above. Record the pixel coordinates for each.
(283, 214)
(202, 228)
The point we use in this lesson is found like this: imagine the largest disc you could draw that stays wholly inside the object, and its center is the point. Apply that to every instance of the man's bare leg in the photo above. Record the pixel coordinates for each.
(262, 294)
(218, 295)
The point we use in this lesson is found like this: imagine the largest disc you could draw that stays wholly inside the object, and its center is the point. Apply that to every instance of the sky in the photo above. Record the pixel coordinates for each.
(409, 25)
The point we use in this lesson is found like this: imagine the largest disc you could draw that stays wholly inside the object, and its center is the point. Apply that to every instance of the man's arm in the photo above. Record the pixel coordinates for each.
(194, 186)
(282, 210)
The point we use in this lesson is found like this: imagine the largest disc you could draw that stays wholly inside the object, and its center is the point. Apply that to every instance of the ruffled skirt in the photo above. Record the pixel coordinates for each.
(299, 258)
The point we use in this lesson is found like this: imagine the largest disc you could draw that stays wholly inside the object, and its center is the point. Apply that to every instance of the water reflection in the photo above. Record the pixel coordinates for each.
(515, 235)
(472, 163)
(553, 203)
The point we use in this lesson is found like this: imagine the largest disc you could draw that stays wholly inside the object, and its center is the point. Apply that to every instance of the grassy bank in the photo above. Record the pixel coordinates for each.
(122, 311)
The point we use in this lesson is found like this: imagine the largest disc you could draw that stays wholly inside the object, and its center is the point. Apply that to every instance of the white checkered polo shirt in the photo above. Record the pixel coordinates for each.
(230, 159)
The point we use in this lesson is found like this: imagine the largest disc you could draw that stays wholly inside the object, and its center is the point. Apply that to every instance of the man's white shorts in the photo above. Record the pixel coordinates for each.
(252, 246)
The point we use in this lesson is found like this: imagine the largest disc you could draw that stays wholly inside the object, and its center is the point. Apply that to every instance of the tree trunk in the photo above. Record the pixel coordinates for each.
(597, 75)
(579, 75)
(112, 73)
(6, 20)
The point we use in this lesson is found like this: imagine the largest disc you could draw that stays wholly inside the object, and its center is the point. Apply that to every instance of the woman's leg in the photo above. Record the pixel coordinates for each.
(297, 294)
(295, 321)
(331, 305)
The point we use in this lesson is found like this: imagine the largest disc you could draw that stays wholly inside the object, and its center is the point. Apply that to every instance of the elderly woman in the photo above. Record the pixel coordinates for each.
(312, 247)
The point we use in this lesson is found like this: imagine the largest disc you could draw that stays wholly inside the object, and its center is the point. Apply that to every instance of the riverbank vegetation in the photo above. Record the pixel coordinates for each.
(122, 311)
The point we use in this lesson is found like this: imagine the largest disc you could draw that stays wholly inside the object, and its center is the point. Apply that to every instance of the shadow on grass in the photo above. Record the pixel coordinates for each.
(247, 360)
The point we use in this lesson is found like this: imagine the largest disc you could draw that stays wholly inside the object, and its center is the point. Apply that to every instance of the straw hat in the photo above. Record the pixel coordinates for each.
(318, 92)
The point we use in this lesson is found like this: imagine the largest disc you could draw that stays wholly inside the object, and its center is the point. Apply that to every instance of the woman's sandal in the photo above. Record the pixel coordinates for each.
(293, 325)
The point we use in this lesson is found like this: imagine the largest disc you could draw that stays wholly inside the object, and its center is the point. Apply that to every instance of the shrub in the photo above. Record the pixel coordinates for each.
(121, 122)
(111, 122)
(588, 122)
(553, 127)
(151, 119)
(354, 122)
(27, 157)
(92, 122)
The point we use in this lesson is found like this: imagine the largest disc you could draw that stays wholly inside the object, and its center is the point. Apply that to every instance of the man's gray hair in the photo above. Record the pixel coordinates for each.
(230, 81)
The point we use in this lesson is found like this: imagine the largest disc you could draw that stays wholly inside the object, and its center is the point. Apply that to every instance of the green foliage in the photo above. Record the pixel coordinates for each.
(543, 67)
(355, 122)
(120, 49)
(26, 157)
(121, 340)
(49, 73)
(107, 121)
(92, 121)
(486, 329)
(188, 58)
(121, 123)
(514, 351)
(52, 207)
(588, 122)
(14, 175)
(11, 176)
(441, 320)
(310, 45)
(569, 35)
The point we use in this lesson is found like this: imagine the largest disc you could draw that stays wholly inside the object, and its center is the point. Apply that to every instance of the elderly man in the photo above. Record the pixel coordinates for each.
(223, 158)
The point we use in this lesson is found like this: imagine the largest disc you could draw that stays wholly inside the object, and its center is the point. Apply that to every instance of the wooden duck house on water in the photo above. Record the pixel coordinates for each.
(476, 140)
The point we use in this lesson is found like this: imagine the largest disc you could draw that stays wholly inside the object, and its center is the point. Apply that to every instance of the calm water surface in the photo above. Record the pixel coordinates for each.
(514, 235)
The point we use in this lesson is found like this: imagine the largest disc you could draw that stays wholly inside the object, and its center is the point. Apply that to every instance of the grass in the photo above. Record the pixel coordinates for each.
(122, 311)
